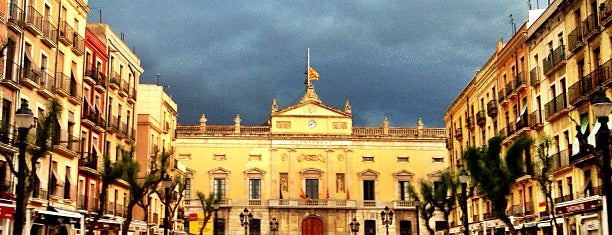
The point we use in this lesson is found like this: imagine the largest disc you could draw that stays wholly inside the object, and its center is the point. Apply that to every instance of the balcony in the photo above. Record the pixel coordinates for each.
(69, 146)
(576, 92)
(471, 122)
(123, 131)
(75, 93)
(10, 78)
(554, 60)
(575, 40)
(520, 82)
(481, 118)
(132, 96)
(65, 33)
(115, 81)
(7, 133)
(113, 125)
(556, 107)
(458, 134)
(49, 33)
(590, 27)
(510, 90)
(605, 12)
(87, 203)
(89, 160)
(33, 21)
(522, 124)
(565, 198)
(15, 20)
(47, 84)
(449, 143)
(534, 76)
(78, 46)
(31, 77)
(529, 208)
(475, 218)
(124, 88)
(487, 216)
(560, 160)
(535, 119)
(492, 108)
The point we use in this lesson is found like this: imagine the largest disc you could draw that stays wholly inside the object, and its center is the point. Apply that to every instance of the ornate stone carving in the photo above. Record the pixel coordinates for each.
(340, 157)
(311, 157)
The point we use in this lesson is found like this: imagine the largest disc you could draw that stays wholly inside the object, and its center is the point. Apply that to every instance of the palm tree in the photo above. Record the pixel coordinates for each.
(495, 176)
(112, 171)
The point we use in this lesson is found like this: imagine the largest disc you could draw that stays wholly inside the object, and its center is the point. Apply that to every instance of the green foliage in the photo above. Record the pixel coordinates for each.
(207, 203)
(494, 176)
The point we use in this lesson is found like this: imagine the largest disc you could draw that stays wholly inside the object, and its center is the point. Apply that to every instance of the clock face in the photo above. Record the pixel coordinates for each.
(312, 124)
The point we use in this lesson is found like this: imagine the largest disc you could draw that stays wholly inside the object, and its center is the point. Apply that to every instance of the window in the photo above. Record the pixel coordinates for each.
(404, 192)
(254, 188)
(403, 159)
(312, 188)
(437, 159)
(68, 184)
(368, 158)
(187, 190)
(369, 227)
(220, 226)
(219, 188)
(368, 190)
(405, 227)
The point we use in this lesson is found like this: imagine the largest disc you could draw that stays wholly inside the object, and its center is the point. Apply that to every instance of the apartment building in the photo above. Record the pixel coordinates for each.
(157, 117)
(566, 49)
(310, 170)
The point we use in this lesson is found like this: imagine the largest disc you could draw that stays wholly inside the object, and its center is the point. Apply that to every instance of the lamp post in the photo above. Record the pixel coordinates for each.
(387, 217)
(354, 226)
(463, 179)
(216, 208)
(274, 225)
(602, 106)
(24, 119)
(245, 220)
(167, 183)
(417, 205)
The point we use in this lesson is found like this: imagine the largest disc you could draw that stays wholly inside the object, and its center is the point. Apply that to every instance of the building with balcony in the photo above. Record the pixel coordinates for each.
(157, 114)
(310, 169)
(566, 49)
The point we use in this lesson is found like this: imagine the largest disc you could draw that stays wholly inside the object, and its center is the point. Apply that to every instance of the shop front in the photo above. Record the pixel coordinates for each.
(56, 221)
(582, 216)
(137, 227)
(6, 216)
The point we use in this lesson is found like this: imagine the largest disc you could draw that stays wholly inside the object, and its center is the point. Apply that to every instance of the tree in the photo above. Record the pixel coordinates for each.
(141, 186)
(27, 180)
(441, 196)
(111, 172)
(178, 184)
(495, 177)
(543, 176)
(207, 204)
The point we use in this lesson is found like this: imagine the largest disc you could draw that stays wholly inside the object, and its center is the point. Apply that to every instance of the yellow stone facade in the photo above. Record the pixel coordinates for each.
(562, 54)
(310, 168)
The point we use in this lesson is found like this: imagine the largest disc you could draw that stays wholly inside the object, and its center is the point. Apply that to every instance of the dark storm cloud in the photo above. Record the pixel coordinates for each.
(397, 59)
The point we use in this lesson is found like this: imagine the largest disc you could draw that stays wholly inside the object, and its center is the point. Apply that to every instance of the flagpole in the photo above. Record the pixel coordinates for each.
(308, 67)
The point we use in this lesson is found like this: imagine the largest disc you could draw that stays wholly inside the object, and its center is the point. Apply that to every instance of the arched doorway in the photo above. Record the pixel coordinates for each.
(312, 226)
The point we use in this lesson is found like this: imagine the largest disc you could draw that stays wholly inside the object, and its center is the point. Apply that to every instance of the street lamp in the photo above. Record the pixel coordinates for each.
(274, 225)
(602, 106)
(216, 208)
(417, 205)
(24, 120)
(463, 179)
(354, 226)
(167, 183)
(245, 220)
(387, 217)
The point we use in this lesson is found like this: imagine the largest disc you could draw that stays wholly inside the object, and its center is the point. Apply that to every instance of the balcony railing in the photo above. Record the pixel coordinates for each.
(563, 199)
(49, 33)
(471, 122)
(33, 21)
(520, 81)
(605, 12)
(554, 58)
(529, 208)
(78, 46)
(65, 33)
(492, 108)
(481, 118)
(534, 76)
(458, 134)
(560, 160)
(535, 118)
(575, 40)
(15, 16)
(590, 26)
(501, 95)
(557, 104)
(89, 160)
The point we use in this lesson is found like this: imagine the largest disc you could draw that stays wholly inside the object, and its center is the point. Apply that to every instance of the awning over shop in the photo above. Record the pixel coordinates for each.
(138, 225)
(108, 225)
(546, 223)
(58, 216)
(6, 211)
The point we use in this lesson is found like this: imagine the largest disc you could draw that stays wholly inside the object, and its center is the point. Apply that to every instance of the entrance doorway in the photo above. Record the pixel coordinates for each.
(312, 226)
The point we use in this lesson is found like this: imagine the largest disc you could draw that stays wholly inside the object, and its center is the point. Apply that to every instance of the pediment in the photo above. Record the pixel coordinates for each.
(403, 175)
(219, 172)
(368, 174)
(311, 109)
(436, 175)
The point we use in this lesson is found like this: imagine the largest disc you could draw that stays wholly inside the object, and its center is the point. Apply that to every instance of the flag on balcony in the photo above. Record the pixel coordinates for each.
(327, 194)
(348, 195)
(302, 194)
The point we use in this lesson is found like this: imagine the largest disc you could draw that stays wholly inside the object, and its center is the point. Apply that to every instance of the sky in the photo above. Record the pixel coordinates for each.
(404, 59)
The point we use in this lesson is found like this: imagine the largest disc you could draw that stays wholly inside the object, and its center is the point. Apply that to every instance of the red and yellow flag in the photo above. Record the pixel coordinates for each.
(312, 74)
(302, 194)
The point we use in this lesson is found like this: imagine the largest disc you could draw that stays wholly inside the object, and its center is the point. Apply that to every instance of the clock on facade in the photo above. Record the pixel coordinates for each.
(312, 124)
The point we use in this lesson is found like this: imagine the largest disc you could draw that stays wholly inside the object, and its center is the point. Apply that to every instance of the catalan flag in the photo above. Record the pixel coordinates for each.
(312, 74)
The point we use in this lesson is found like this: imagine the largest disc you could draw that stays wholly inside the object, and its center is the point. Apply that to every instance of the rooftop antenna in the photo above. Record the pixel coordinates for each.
(158, 79)
(100, 14)
(529, 4)
(513, 25)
